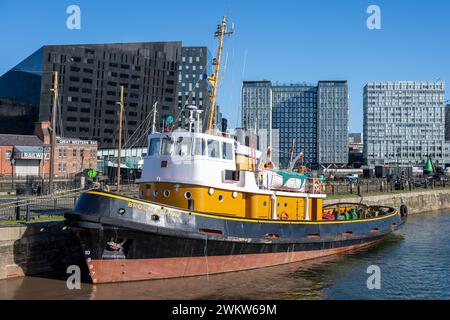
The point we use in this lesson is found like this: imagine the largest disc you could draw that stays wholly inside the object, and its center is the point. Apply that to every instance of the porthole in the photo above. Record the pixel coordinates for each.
(121, 211)
(220, 198)
(264, 203)
(235, 194)
(166, 193)
(285, 204)
(187, 195)
(155, 193)
(211, 191)
(278, 204)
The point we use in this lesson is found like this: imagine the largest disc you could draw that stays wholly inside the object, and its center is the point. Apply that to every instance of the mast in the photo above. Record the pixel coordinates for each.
(53, 128)
(119, 152)
(154, 118)
(213, 79)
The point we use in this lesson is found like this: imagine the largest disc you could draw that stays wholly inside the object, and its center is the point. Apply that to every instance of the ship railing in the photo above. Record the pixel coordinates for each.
(310, 186)
(315, 186)
(225, 134)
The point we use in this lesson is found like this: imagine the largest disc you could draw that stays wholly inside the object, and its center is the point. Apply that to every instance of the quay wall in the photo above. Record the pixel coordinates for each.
(417, 202)
(37, 248)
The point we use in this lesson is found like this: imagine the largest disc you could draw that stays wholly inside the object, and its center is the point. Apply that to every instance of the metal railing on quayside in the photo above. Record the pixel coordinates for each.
(31, 208)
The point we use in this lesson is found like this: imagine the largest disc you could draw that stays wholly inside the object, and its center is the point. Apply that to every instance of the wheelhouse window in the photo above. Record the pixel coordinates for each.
(199, 147)
(167, 146)
(227, 151)
(213, 149)
(183, 146)
(155, 146)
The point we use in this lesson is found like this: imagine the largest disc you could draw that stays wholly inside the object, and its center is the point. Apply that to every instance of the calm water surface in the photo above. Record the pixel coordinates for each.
(414, 263)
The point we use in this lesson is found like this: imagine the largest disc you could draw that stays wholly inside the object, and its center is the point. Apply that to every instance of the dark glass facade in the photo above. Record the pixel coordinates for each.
(90, 76)
(193, 86)
(90, 80)
(314, 116)
(295, 119)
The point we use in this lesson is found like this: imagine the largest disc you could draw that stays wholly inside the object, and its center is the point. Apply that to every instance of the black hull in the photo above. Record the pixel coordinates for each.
(127, 239)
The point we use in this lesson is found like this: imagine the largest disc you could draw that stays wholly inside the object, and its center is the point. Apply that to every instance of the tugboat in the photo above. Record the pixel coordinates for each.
(210, 203)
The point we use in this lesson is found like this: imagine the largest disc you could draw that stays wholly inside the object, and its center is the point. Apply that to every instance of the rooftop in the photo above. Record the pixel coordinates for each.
(19, 140)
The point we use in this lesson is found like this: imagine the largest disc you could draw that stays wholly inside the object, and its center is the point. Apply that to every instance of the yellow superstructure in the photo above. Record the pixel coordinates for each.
(233, 203)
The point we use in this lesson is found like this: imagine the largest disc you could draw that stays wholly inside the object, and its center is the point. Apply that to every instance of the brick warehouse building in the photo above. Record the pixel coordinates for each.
(72, 155)
(22, 155)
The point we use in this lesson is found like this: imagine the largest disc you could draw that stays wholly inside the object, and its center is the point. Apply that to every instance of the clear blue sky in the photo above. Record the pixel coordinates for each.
(283, 40)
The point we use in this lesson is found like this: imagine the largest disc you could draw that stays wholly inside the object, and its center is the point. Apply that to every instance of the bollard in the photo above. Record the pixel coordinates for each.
(75, 201)
(28, 211)
(55, 205)
(18, 213)
(359, 190)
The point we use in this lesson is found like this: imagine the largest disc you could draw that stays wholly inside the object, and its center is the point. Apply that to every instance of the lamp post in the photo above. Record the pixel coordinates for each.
(13, 161)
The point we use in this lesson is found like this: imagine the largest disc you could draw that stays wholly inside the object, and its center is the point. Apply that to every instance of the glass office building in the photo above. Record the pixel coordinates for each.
(295, 119)
(312, 118)
(404, 123)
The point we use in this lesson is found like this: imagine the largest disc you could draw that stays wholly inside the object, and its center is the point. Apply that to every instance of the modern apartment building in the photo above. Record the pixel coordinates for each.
(90, 76)
(193, 86)
(447, 122)
(333, 122)
(257, 110)
(312, 118)
(404, 123)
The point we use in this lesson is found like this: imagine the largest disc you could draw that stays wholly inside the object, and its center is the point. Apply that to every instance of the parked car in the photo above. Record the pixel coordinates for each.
(352, 177)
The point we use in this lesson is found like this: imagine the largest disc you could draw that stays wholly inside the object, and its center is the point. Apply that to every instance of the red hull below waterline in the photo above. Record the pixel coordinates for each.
(119, 270)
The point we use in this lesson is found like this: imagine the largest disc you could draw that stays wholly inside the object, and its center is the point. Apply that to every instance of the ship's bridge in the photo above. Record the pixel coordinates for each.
(188, 157)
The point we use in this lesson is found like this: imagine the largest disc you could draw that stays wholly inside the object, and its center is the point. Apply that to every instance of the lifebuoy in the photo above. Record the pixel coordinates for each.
(403, 211)
(317, 186)
(284, 215)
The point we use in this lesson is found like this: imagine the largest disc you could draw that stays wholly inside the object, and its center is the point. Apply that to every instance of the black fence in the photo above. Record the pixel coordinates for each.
(34, 208)
(36, 185)
(367, 186)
